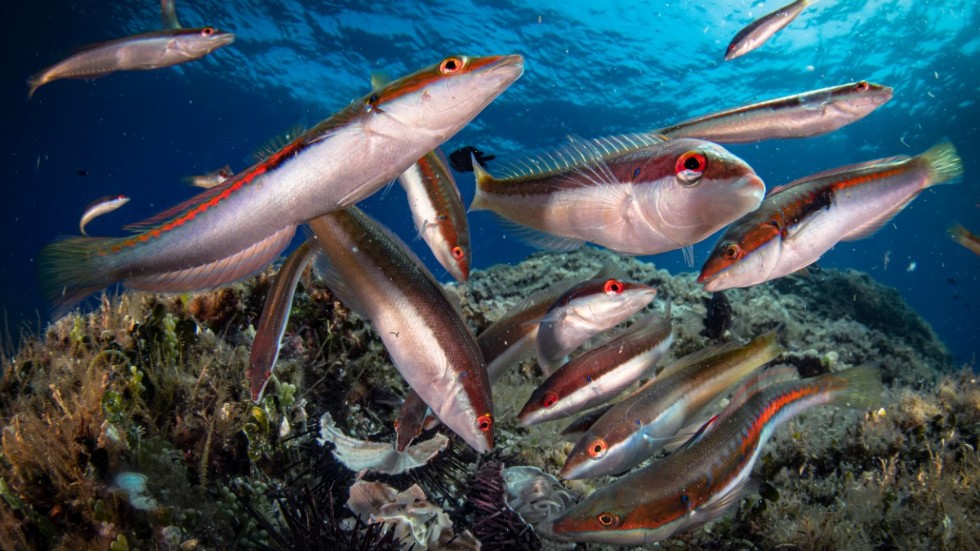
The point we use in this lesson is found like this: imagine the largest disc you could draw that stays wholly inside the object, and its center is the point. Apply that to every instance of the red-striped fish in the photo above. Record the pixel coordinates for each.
(236, 228)
(800, 221)
(698, 483)
(966, 238)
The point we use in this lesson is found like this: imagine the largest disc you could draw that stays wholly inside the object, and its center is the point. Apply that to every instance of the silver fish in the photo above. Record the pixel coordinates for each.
(762, 29)
(99, 207)
(211, 179)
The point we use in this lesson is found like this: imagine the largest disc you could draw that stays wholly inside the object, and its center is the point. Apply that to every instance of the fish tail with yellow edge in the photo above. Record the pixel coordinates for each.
(943, 162)
(74, 268)
(483, 181)
(858, 387)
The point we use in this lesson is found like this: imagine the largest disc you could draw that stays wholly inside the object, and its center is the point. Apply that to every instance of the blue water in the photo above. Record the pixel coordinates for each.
(592, 69)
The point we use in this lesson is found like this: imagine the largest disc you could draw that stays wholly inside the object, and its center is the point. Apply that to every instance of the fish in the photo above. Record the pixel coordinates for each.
(759, 31)
(802, 115)
(235, 229)
(800, 221)
(462, 158)
(583, 312)
(637, 427)
(410, 421)
(141, 52)
(275, 315)
(966, 238)
(99, 207)
(374, 274)
(699, 482)
(718, 315)
(636, 194)
(601, 372)
(210, 179)
(438, 212)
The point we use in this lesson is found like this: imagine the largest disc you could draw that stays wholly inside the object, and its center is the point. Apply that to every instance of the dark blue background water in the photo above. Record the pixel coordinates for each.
(592, 69)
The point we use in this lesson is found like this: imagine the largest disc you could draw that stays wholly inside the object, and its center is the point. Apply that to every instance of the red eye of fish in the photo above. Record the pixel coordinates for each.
(549, 400)
(597, 448)
(207, 31)
(485, 422)
(862, 86)
(450, 65)
(608, 520)
(458, 252)
(613, 287)
(690, 167)
(732, 251)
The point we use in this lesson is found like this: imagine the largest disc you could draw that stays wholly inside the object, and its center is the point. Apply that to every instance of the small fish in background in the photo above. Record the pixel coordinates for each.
(462, 159)
(762, 29)
(718, 315)
(99, 207)
(801, 115)
(211, 179)
(966, 238)
(800, 221)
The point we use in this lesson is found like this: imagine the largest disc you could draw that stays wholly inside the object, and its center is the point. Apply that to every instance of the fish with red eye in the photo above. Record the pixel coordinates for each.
(583, 312)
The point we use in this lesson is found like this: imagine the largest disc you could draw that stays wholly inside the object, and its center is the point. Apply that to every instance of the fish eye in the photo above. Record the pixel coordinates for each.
(458, 252)
(484, 422)
(636, 173)
(207, 31)
(613, 287)
(450, 65)
(862, 86)
(608, 520)
(549, 400)
(597, 448)
(690, 167)
(732, 251)
(685, 499)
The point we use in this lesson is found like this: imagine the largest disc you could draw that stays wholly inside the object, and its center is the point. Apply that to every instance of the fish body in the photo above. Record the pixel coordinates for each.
(426, 338)
(141, 52)
(99, 207)
(966, 238)
(438, 212)
(636, 194)
(275, 315)
(798, 116)
(236, 228)
(583, 312)
(211, 179)
(718, 315)
(800, 221)
(600, 373)
(762, 29)
(637, 427)
(698, 483)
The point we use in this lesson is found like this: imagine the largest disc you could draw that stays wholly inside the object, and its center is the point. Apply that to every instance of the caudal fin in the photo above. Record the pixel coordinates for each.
(72, 269)
(483, 180)
(944, 163)
(861, 387)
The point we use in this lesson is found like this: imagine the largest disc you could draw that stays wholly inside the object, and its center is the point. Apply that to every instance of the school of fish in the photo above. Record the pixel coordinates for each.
(636, 194)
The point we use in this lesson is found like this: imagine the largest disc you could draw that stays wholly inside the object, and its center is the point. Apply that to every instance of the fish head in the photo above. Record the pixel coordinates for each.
(860, 98)
(454, 251)
(624, 514)
(440, 99)
(693, 188)
(747, 254)
(600, 451)
(606, 301)
(197, 43)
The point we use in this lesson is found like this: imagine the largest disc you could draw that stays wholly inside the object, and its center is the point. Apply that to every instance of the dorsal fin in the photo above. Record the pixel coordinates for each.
(180, 208)
(278, 142)
(837, 171)
(577, 153)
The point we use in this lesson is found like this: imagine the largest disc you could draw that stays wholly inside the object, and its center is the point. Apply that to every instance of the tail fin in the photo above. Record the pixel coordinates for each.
(483, 179)
(34, 83)
(72, 269)
(861, 387)
(944, 163)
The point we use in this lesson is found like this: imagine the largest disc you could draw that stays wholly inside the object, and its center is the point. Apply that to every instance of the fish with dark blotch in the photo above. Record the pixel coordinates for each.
(584, 311)
(759, 31)
(800, 221)
(275, 315)
(141, 52)
(99, 207)
(699, 482)
(634, 194)
(462, 158)
(374, 273)
(645, 422)
(601, 372)
(799, 116)
(965, 238)
(235, 229)
(718, 315)
(211, 179)
(438, 212)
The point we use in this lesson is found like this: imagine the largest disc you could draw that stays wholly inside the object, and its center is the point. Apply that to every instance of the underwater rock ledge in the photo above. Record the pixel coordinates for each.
(152, 388)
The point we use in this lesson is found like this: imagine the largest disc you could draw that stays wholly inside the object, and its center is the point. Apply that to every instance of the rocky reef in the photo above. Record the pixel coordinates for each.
(130, 427)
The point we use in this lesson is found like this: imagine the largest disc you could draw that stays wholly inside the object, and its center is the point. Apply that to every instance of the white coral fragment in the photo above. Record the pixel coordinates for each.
(362, 456)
